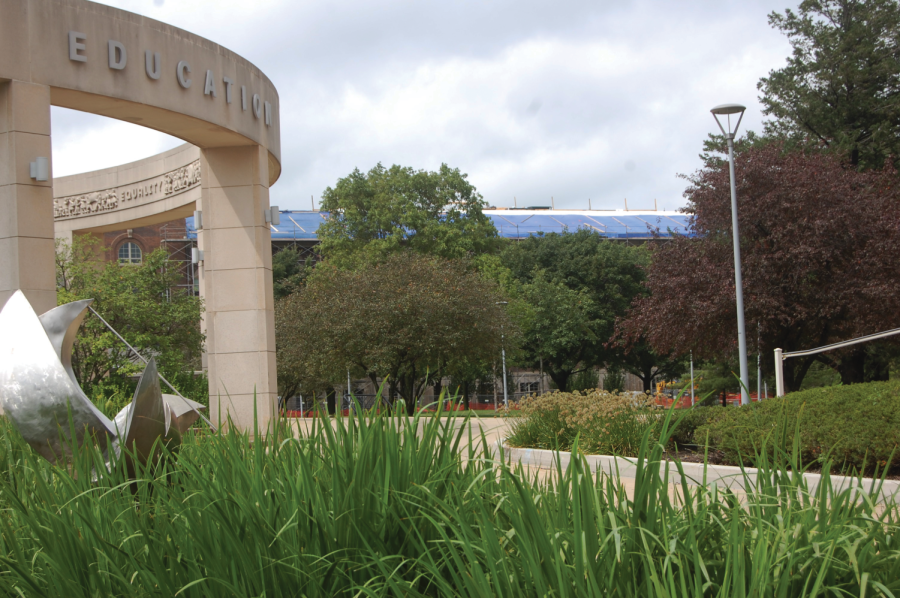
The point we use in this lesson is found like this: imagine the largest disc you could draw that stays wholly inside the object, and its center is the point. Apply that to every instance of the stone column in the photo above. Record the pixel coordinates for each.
(236, 284)
(26, 205)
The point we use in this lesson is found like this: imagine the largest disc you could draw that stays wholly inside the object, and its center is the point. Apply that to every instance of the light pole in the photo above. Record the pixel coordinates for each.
(692, 378)
(727, 110)
(503, 357)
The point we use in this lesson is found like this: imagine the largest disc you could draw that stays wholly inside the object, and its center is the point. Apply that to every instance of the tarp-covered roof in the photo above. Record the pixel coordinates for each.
(517, 224)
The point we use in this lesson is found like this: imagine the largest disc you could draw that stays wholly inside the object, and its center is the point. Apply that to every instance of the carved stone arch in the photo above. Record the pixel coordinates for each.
(55, 52)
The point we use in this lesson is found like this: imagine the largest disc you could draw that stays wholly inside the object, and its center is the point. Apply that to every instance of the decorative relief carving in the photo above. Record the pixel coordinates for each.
(181, 179)
(170, 183)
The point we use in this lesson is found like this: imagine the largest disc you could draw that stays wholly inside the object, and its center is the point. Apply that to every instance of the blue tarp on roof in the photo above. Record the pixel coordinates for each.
(516, 224)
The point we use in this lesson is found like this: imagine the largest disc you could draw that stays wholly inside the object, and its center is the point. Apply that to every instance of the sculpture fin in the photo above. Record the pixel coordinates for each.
(148, 417)
(36, 391)
(61, 325)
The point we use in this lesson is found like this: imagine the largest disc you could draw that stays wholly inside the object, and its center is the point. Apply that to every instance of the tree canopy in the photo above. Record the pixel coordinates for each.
(143, 303)
(840, 88)
(818, 244)
(575, 286)
(409, 319)
(289, 271)
(386, 210)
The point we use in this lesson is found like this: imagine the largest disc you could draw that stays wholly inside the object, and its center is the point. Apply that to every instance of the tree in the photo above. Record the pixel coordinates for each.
(405, 319)
(563, 334)
(390, 209)
(648, 365)
(142, 302)
(576, 285)
(289, 272)
(841, 87)
(818, 243)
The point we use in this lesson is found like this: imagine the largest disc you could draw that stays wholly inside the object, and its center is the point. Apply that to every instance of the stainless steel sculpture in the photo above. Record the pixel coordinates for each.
(39, 391)
(184, 411)
(36, 391)
(147, 418)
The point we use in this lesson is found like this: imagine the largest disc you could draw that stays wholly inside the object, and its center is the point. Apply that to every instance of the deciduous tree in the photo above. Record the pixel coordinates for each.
(576, 286)
(144, 303)
(819, 244)
(405, 319)
(387, 210)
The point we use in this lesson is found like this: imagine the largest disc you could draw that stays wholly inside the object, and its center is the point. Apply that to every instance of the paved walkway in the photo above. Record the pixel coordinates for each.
(544, 463)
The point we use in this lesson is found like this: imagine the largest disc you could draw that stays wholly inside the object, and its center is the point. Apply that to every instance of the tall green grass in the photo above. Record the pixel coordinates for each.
(386, 506)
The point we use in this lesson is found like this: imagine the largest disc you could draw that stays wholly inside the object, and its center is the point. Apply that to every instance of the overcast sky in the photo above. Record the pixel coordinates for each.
(566, 99)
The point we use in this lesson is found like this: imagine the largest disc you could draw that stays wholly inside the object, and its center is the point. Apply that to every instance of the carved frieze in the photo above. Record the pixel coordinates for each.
(126, 196)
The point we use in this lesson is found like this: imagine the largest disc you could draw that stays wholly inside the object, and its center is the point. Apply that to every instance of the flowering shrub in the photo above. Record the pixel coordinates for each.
(604, 422)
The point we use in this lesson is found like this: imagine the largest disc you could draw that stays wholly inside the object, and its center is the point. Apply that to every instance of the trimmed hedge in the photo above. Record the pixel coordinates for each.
(857, 427)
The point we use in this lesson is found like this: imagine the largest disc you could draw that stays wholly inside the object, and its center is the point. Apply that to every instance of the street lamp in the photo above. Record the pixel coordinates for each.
(503, 356)
(727, 110)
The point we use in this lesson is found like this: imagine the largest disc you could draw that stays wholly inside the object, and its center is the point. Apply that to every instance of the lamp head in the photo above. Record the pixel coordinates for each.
(727, 110)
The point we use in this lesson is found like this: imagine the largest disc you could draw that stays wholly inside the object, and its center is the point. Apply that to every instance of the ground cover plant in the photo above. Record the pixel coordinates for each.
(388, 506)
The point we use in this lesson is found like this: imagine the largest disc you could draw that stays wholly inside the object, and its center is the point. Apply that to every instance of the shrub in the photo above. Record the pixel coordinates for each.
(610, 423)
(614, 380)
(685, 424)
(857, 426)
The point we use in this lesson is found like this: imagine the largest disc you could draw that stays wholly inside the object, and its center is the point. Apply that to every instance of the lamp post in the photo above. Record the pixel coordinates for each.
(503, 357)
(727, 110)
(692, 378)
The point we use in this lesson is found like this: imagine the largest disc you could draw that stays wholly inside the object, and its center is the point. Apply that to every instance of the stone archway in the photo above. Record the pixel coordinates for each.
(98, 59)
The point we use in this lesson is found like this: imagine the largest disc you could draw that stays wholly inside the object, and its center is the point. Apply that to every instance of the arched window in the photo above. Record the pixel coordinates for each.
(130, 253)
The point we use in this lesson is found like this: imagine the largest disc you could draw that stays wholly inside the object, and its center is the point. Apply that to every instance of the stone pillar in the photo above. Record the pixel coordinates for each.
(26, 205)
(236, 284)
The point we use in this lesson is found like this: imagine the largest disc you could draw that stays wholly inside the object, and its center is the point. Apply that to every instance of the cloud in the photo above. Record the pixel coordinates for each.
(570, 100)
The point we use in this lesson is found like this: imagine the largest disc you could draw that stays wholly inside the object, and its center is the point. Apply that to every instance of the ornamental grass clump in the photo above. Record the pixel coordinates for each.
(379, 505)
(609, 423)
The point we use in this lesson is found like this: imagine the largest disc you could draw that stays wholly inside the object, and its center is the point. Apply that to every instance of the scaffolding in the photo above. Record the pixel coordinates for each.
(178, 243)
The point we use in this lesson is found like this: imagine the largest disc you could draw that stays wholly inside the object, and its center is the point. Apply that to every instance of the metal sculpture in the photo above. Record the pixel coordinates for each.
(147, 418)
(39, 392)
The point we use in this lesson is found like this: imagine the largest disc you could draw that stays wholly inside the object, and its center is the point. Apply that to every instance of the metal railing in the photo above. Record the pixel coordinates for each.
(780, 356)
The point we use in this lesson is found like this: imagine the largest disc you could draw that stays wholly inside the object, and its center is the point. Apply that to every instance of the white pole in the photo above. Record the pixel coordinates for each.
(758, 377)
(779, 374)
(692, 378)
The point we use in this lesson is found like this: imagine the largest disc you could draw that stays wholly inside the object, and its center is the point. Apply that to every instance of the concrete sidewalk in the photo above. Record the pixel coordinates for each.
(544, 463)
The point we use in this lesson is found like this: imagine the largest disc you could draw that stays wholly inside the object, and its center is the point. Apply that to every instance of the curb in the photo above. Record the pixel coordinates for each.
(725, 476)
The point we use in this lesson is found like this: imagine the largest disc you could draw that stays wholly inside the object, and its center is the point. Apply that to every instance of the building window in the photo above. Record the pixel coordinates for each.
(130, 253)
(528, 387)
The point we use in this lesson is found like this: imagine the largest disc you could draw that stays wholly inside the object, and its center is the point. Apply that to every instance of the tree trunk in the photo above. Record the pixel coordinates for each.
(330, 401)
(392, 391)
(408, 392)
(561, 379)
(878, 366)
(647, 379)
(853, 367)
(466, 395)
